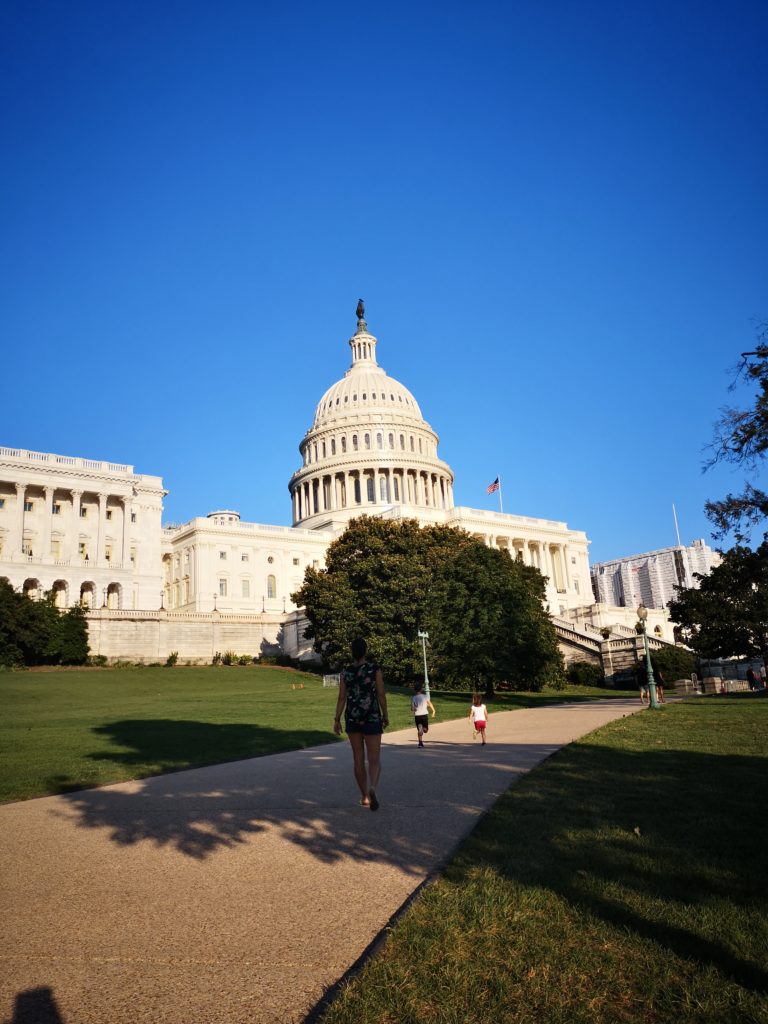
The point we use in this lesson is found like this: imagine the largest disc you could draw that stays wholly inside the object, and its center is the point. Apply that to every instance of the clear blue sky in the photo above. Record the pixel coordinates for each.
(556, 212)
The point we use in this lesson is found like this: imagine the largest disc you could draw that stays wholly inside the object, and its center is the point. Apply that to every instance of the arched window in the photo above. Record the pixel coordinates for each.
(323, 449)
(420, 448)
(402, 442)
(271, 586)
(383, 489)
(370, 488)
(333, 446)
(391, 440)
(344, 444)
(367, 440)
(379, 441)
(413, 447)
(354, 441)
(357, 490)
(396, 483)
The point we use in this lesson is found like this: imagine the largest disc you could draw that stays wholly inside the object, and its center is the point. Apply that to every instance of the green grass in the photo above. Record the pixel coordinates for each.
(72, 729)
(623, 881)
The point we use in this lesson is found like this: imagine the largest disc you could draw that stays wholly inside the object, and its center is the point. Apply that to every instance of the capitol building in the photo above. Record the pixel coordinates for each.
(92, 533)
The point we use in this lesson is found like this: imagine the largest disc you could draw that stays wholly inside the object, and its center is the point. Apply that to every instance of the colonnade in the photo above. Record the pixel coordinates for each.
(31, 535)
(328, 492)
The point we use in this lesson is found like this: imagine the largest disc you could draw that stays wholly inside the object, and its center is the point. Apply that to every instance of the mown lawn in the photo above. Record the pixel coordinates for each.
(72, 729)
(622, 881)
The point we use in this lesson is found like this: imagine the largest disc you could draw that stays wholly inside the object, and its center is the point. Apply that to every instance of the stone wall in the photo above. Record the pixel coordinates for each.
(149, 636)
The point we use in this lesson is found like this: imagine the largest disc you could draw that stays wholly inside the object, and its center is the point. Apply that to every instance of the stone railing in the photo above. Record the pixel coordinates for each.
(22, 455)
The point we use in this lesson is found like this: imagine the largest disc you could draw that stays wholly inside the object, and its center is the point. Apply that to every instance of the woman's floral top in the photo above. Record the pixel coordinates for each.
(362, 701)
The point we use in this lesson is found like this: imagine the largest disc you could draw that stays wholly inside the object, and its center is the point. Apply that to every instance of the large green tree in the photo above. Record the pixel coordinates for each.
(375, 584)
(741, 438)
(387, 580)
(487, 621)
(727, 615)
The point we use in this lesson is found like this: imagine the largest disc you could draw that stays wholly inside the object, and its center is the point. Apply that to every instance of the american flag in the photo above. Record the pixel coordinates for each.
(494, 486)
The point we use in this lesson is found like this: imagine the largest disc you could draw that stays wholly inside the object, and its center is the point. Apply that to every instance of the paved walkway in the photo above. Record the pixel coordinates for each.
(240, 892)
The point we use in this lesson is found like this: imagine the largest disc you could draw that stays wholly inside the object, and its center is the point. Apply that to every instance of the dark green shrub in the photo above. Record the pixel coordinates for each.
(585, 673)
(172, 658)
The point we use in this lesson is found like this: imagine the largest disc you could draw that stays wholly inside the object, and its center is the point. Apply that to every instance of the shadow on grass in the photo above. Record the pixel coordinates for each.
(668, 844)
(159, 746)
(36, 1006)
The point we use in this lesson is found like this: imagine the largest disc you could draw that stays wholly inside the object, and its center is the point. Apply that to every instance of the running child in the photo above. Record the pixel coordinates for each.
(420, 705)
(478, 716)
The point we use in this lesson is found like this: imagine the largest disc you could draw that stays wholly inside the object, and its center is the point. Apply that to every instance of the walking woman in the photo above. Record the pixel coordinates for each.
(364, 703)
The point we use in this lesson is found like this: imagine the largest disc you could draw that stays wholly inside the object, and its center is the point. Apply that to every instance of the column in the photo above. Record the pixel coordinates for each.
(334, 495)
(526, 553)
(126, 550)
(376, 486)
(102, 528)
(75, 525)
(45, 537)
(17, 541)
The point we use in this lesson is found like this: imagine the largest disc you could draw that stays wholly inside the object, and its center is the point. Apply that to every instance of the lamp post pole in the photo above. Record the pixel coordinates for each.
(642, 614)
(424, 637)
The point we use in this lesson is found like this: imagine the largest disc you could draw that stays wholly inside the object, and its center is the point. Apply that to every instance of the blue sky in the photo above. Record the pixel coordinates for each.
(556, 212)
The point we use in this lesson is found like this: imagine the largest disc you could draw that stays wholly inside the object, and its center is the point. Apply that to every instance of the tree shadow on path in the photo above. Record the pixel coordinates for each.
(306, 797)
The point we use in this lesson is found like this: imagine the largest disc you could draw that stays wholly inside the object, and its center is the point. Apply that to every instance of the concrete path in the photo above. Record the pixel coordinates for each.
(241, 892)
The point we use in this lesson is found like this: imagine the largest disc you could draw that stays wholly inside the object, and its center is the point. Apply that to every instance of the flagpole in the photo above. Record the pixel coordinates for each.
(501, 507)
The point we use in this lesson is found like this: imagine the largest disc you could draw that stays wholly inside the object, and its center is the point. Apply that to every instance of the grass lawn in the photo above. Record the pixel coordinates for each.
(622, 881)
(72, 729)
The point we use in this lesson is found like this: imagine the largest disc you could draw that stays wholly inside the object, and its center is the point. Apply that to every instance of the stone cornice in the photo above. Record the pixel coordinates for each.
(373, 461)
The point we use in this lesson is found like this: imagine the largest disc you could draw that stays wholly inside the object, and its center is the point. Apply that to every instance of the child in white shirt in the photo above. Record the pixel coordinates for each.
(478, 716)
(420, 705)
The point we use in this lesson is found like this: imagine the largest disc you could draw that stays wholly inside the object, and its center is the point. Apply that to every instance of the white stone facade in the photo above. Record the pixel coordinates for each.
(90, 531)
(651, 578)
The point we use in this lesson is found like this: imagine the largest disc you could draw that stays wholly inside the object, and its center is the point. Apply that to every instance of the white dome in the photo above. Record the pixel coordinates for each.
(365, 389)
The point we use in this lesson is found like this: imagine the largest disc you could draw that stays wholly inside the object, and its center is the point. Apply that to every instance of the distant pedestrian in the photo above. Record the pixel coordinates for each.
(364, 702)
(421, 705)
(478, 716)
(659, 680)
(751, 678)
(642, 680)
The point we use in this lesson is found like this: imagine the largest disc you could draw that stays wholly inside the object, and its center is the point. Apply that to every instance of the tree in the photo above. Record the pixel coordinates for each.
(741, 438)
(387, 580)
(37, 633)
(675, 663)
(727, 615)
(375, 584)
(487, 621)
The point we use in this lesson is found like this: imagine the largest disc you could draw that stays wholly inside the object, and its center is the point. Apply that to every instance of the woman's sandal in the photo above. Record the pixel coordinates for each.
(374, 799)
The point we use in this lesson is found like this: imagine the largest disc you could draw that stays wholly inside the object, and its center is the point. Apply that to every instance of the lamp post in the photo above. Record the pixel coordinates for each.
(642, 614)
(214, 602)
(424, 637)
(162, 600)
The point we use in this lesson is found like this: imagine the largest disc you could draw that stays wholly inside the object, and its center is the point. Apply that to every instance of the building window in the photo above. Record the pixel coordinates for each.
(109, 513)
(56, 509)
(108, 552)
(383, 489)
(82, 551)
(133, 557)
(2, 502)
(222, 556)
(391, 440)
(83, 512)
(420, 448)
(413, 448)
(56, 549)
(323, 449)
(367, 440)
(576, 585)
(402, 441)
(244, 557)
(333, 447)
(396, 483)
(354, 442)
(133, 517)
(343, 444)
(222, 588)
(379, 441)
(29, 506)
(370, 489)
(246, 588)
(26, 547)
(271, 586)
(296, 561)
(271, 560)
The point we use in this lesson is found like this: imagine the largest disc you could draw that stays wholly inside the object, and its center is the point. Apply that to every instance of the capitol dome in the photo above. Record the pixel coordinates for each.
(369, 448)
